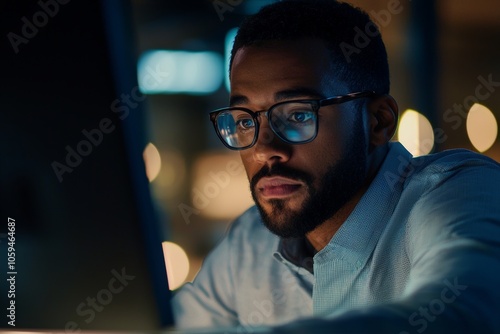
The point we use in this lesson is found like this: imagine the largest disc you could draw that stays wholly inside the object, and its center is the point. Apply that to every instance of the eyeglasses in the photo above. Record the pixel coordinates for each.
(294, 122)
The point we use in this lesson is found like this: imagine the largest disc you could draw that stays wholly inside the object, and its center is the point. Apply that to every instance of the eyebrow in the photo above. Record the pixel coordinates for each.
(283, 95)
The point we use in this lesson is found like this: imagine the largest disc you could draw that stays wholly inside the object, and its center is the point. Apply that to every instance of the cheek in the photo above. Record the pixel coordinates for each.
(335, 134)
(326, 148)
(315, 159)
(329, 147)
(323, 163)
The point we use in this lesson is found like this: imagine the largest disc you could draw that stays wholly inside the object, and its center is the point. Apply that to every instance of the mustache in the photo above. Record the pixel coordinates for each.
(279, 170)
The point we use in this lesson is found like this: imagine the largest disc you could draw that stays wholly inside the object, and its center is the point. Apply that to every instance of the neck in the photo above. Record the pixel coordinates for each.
(321, 235)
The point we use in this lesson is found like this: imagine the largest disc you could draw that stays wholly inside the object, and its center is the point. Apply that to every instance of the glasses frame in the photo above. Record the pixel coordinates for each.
(315, 104)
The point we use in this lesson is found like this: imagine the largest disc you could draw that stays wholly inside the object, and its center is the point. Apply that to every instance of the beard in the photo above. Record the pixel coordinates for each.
(336, 187)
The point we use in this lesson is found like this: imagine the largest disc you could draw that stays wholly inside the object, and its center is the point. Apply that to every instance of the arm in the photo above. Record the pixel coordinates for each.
(208, 301)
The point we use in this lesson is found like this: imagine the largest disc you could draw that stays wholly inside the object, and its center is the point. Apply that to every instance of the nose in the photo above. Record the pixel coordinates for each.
(269, 148)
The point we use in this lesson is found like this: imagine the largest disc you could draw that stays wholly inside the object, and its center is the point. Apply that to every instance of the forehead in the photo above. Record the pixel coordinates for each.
(276, 65)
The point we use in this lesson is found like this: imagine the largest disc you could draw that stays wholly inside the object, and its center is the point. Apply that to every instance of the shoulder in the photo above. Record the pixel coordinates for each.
(455, 195)
(248, 220)
(452, 159)
(249, 234)
(455, 179)
(452, 165)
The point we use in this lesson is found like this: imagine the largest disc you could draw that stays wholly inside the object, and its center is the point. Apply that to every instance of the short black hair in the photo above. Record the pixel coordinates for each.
(361, 65)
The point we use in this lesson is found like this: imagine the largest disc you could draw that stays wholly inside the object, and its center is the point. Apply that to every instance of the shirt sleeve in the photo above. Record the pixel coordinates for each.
(208, 301)
(453, 244)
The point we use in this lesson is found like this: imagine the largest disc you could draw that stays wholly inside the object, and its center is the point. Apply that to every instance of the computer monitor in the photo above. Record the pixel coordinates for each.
(85, 243)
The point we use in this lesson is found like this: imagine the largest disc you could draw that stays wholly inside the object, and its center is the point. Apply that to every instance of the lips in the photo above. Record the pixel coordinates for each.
(277, 187)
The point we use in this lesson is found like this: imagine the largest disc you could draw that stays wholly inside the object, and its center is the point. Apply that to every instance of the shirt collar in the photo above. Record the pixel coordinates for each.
(358, 235)
(297, 252)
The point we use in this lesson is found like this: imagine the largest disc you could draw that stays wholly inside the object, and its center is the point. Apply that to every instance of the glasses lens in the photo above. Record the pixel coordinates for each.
(295, 122)
(236, 128)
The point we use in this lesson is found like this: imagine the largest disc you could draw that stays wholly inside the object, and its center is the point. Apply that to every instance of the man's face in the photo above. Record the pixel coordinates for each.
(298, 187)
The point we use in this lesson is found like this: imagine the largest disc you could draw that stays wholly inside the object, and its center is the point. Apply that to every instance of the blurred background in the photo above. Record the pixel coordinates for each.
(165, 64)
(442, 55)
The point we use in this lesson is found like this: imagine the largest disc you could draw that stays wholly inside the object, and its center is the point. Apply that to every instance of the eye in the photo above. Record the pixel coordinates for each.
(300, 116)
(245, 123)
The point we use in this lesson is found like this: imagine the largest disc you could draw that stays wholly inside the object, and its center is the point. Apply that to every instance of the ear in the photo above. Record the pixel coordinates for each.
(383, 115)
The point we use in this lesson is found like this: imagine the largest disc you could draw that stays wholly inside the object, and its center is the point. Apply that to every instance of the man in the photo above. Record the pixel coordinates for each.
(350, 233)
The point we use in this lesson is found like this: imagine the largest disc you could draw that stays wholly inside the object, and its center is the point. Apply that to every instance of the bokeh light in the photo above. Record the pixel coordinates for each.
(172, 178)
(164, 72)
(415, 133)
(482, 127)
(152, 160)
(220, 186)
(177, 264)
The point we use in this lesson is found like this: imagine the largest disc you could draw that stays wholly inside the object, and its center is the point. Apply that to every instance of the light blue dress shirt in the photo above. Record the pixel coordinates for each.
(419, 253)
